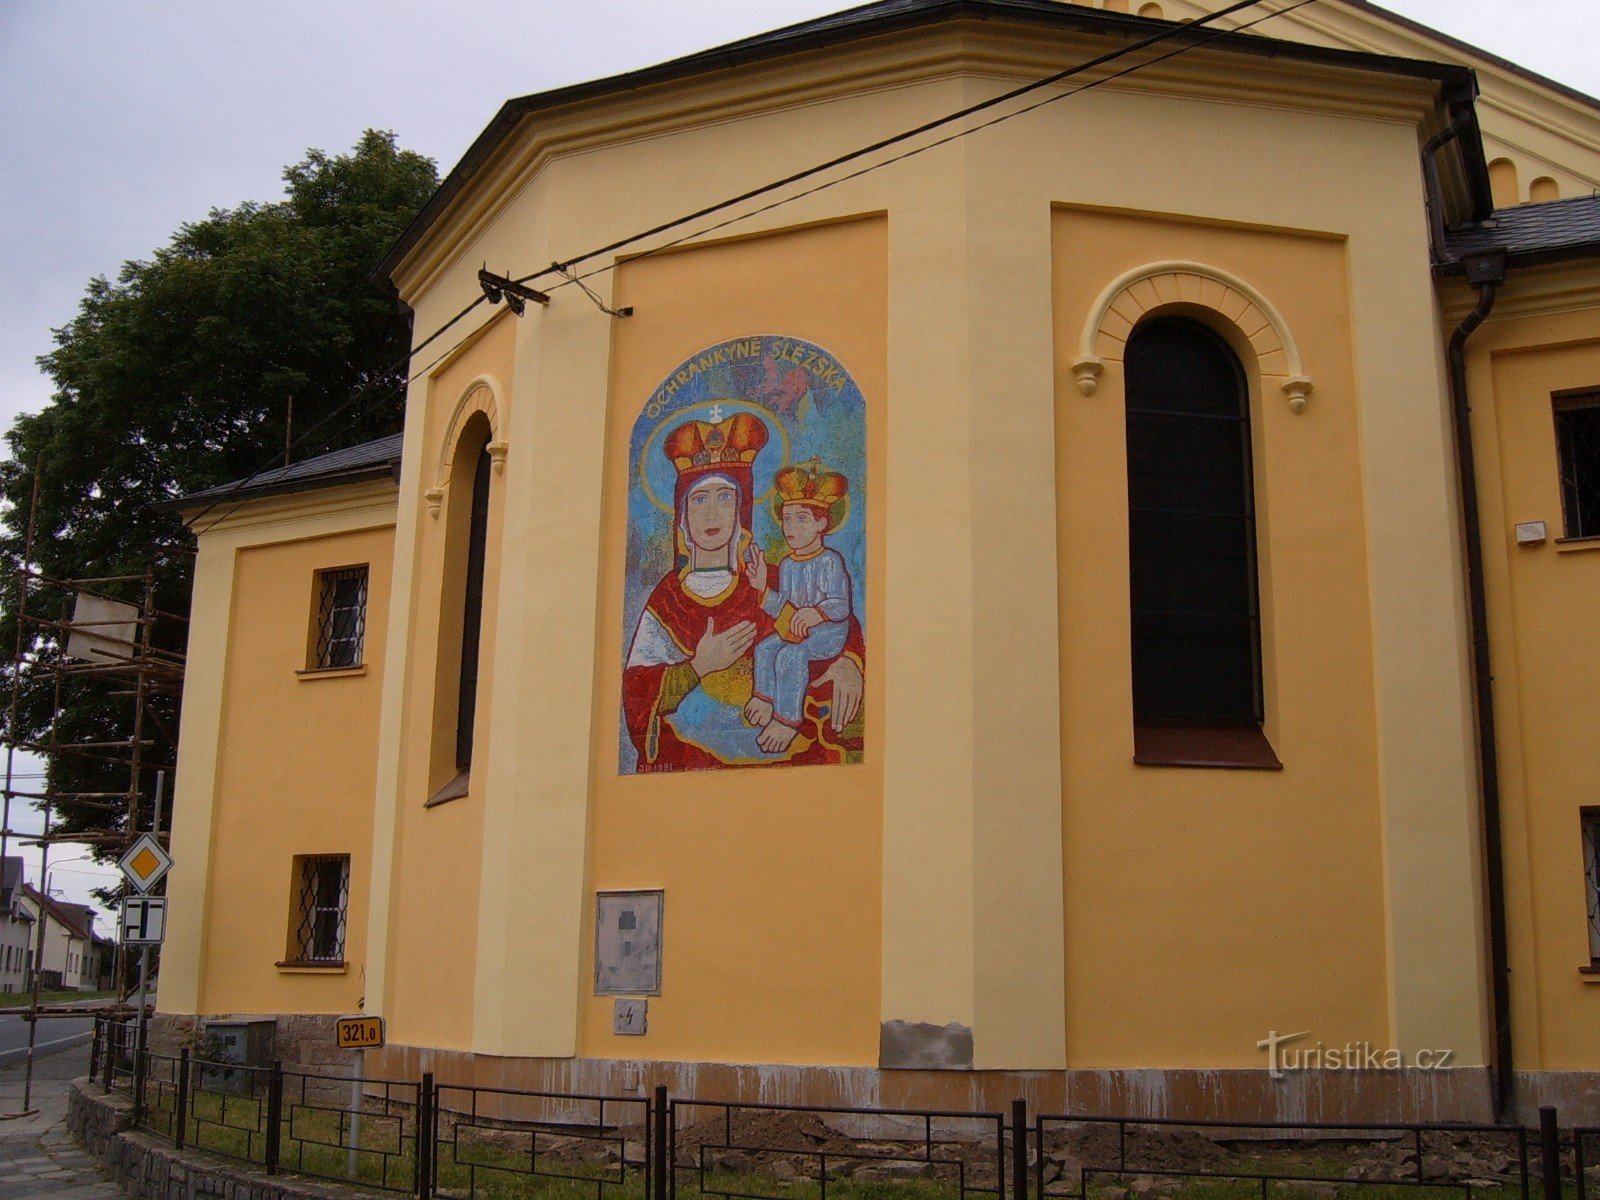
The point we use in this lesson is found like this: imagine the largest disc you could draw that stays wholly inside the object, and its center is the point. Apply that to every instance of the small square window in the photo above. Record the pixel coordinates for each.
(1578, 446)
(320, 905)
(341, 618)
(1591, 876)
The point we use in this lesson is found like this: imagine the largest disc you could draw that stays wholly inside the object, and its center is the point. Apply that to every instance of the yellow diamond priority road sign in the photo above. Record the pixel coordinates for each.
(145, 863)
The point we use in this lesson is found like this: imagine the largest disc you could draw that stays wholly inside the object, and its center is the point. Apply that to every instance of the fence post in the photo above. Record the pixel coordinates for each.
(181, 1112)
(1019, 1149)
(139, 1072)
(94, 1050)
(1550, 1152)
(660, 1151)
(425, 1137)
(274, 1114)
(111, 1054)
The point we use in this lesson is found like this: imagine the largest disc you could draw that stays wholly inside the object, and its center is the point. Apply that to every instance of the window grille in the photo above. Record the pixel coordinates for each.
(1578, 444)
(1591, 870)
(322, 887)
(341, 617)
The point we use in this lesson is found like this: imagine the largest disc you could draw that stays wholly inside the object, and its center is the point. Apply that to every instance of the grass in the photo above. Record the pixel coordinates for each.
(24, 999)
(497, 1168)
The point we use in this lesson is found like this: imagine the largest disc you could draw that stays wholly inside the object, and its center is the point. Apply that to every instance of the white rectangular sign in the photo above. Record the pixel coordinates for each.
(144, 920)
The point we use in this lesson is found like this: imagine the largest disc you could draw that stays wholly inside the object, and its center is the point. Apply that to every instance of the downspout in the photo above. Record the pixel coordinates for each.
(1487, 272)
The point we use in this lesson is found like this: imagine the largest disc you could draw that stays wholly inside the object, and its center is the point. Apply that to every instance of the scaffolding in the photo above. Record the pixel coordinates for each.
(97, 640)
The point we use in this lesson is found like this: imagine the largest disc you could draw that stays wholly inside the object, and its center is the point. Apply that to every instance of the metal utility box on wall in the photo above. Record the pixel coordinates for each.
(245, 1043)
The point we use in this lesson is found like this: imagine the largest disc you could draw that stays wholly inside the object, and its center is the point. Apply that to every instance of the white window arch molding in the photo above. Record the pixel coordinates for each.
(480, 396)
(1127, 299)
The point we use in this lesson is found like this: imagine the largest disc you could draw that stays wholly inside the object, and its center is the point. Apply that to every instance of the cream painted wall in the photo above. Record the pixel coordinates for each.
(436, 859)
(972, 730)
(288, 766)
(1546, 655)
(772, 877)
(1205, 904)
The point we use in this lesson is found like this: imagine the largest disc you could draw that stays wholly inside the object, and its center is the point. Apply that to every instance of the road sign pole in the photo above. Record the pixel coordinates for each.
(357, 1087)
(144, 951)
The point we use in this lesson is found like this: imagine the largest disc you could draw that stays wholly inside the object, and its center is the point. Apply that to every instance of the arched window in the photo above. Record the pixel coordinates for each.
(461, 602)
(472, 611)
(1197, 695)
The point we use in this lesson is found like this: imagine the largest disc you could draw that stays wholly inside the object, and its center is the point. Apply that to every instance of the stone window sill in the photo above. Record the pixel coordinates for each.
(1202, 744)
(303, 968)
(454, 790)
(1566, 545)
(1591, 973)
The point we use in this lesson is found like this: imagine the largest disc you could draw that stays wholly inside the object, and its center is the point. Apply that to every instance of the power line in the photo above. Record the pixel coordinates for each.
(897, 138)
(933, 145)
(563, 268)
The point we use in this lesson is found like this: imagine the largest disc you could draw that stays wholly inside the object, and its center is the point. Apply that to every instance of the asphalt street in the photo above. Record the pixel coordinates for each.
(55, 1034)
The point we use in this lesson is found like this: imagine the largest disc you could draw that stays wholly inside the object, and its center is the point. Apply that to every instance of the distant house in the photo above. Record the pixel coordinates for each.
(69, 962)
(16, 930)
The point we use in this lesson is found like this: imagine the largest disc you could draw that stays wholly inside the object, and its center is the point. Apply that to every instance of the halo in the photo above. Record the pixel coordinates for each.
(696, 411)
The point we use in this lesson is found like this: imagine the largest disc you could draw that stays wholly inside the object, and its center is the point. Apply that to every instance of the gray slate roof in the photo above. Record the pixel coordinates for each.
(1533, 233)
(369, 460)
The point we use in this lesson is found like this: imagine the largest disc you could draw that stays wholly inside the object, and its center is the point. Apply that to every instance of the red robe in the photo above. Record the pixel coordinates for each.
(651, 693)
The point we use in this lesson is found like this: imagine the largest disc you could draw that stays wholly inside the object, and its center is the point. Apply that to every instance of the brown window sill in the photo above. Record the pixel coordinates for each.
(312, 968)
(454, 790)
(1568, 544)
(1591, 973)
(1200, 744)
(332, 672)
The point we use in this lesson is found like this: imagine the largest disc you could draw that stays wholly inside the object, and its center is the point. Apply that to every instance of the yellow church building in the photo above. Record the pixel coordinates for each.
(1077, 602)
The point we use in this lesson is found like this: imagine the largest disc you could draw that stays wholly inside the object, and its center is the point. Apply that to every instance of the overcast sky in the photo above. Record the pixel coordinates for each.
(119, 121)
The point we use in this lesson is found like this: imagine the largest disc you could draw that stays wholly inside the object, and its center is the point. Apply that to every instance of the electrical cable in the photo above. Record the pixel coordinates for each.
(564, 268)
(904, 135)
(916, 150)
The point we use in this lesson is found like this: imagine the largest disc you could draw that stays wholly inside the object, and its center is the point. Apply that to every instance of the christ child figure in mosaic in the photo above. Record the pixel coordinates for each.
(809, 604)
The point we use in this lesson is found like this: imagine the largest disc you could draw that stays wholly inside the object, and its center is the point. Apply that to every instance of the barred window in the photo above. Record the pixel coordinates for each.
(1578, 445)
(321, 903)
(1591, 872)
(341, 617)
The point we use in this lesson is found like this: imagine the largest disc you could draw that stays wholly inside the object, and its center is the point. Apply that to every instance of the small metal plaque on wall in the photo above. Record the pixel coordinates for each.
(627, 946)
(630, 1017)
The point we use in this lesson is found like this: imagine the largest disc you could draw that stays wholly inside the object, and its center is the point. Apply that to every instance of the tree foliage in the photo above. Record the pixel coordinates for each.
(178, 376)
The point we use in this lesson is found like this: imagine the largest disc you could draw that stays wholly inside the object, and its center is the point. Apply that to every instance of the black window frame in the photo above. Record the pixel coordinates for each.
(320, 914)
(1196, 654)
(339, 641)
(1576, 415)
(1589, 824)
(472, 610)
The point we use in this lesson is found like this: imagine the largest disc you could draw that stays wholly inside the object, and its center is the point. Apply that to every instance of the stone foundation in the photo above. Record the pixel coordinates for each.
(304, 1043)
(146, 1168)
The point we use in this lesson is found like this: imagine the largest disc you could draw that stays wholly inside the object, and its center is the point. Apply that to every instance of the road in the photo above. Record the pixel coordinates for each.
(55, 1034)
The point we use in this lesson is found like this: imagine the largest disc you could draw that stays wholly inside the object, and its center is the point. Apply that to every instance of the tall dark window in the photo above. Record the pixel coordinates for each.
(1591, 880)
(1191, 531)
(472, 611)
(1578, 445)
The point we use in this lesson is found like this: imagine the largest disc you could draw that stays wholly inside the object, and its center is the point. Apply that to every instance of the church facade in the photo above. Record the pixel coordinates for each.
(1079, 610)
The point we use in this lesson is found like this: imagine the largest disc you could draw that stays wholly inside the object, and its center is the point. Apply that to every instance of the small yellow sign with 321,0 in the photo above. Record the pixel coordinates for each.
(358, 1033)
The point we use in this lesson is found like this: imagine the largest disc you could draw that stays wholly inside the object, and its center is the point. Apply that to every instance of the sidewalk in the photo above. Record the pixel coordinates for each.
(38, 1158)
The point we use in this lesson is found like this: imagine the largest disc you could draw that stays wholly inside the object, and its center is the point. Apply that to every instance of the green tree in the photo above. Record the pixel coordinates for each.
(177, 377)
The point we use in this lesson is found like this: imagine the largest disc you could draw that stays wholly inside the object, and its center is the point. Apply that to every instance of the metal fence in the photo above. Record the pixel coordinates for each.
(457, 1142)
(746, 1151)
(1079, 1155)
(491, 1142)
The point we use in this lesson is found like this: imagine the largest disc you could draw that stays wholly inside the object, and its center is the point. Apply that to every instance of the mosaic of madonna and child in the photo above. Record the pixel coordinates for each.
(744, 631)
